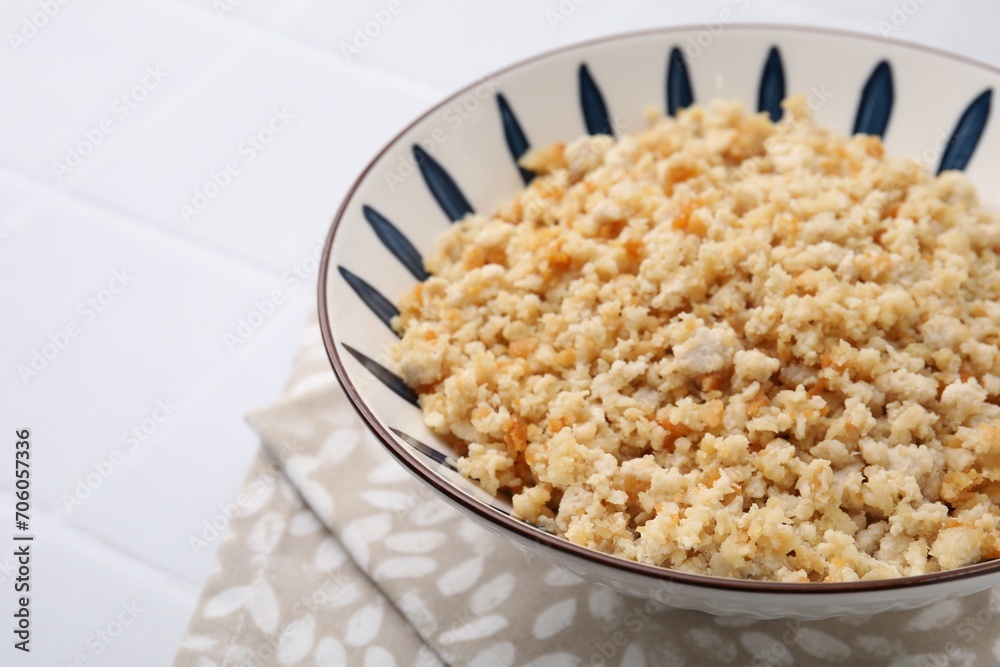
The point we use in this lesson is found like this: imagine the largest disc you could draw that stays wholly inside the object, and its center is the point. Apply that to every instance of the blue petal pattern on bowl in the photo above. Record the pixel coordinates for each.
(876, 102)
(872, 117)
(595, 111)
(517, 142)
(969, 130)
(385, 376)
(772, 86)
(381, 306)
(447, 194)
(429, 452)
(396, 242)
(679, 91)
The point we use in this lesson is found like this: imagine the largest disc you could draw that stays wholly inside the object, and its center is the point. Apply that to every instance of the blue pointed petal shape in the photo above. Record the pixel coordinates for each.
(679, 92)
(876, 102)
(429, 452)
(517, 142)
(385, 376)
(595, 112)
(442, 186)
(964, 139)
(378, 304)
(396, 243)
(772, 86)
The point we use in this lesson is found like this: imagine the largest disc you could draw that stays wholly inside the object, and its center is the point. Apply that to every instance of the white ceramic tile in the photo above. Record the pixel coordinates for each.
(29, 21)
(160, 336)
(15, 198)
(962, 26)
(70, 79)
(714, 15)
(263, 12)
(162, 503)
(88, 600)
(294, 135)
(451, 42)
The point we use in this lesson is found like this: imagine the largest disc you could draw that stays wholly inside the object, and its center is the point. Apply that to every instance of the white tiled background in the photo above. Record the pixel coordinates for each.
(228, 69)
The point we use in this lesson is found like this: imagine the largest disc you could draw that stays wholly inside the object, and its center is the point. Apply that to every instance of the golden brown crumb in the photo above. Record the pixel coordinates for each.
(729, 347)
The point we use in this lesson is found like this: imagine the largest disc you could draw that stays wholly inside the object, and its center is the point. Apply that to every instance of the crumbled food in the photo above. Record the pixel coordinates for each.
(726, 346)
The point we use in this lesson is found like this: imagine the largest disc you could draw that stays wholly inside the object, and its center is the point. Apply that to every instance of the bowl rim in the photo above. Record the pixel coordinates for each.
(523, 529)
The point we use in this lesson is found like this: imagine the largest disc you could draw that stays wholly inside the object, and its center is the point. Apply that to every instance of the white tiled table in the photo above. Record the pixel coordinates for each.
(212, 140)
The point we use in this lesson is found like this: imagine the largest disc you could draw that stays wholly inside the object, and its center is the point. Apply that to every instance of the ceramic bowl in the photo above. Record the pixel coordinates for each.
(461, 156)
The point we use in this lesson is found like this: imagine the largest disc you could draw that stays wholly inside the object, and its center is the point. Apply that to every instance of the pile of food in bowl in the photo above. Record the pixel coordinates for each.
(726, 346)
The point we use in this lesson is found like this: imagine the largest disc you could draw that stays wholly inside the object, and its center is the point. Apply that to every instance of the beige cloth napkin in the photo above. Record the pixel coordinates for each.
(339, 557)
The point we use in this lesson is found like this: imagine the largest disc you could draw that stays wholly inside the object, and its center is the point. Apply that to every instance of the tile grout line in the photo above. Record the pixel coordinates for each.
(207, 387)
(146, 122)
(100, 545)
(253, 36)
(75, 198)
(124, 220)
(275, 37)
